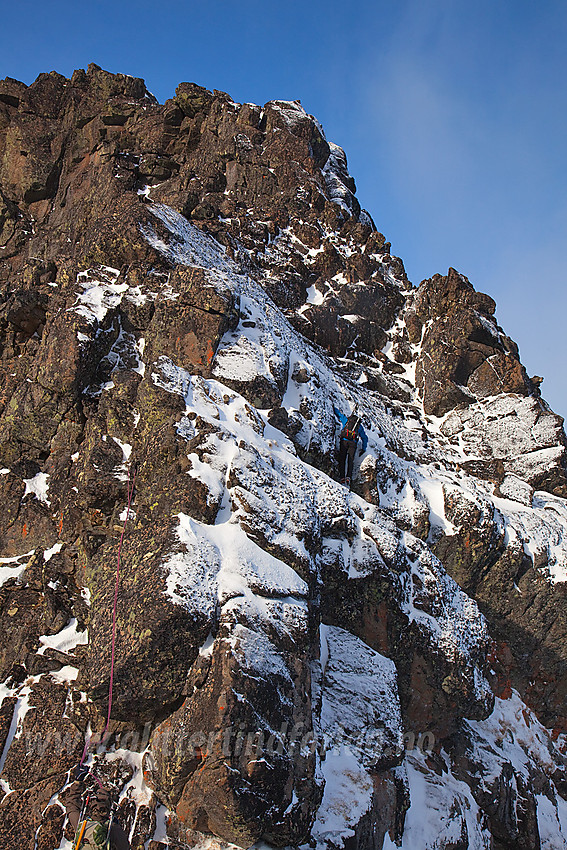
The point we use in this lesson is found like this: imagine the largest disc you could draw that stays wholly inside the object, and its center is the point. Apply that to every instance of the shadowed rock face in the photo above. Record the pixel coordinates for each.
(187, 290)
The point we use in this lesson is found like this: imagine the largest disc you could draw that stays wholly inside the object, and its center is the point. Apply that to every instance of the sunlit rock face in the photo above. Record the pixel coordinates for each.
(188, 292)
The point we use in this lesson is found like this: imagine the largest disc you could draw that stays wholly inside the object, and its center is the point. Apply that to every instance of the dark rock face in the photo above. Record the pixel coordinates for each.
(187, 291)
(464, 354)
(234, 785)
(525, 612)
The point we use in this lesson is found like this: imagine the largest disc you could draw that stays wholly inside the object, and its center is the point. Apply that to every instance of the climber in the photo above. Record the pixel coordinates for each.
(90, 815)
(351, 432)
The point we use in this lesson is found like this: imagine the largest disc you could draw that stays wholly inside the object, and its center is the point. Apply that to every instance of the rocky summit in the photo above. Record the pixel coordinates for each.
(188, 291)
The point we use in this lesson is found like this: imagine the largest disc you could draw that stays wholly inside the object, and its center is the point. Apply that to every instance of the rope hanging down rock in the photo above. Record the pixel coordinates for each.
(131, 484)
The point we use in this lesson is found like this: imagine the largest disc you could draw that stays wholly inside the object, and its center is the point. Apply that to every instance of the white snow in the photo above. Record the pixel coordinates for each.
(220, 562)
(552, 822)
(65, 675)
(207, 649)
(160, 834)
(121, 471)
(516, 429)
(126, 449)
(8, 572)
(20, 710)
(66, 640)
(360, 709)
(257, 654)
(514, 735)
(432, 489)
(125, 353)
(136, 789)
(360, 717)
(335, 173)
(489, 325)
(54, 550)
(433, 600)
(347, 796)
(541, 529)
(291, 111)
(314, 296)
(100, 293)
(442, 811)
(38, 486)
(188, 246)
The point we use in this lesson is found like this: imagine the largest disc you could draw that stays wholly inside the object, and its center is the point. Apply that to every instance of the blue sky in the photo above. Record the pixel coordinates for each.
(452, 114)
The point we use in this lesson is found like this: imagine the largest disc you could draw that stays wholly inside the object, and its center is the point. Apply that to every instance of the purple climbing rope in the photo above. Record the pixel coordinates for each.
(114, 609)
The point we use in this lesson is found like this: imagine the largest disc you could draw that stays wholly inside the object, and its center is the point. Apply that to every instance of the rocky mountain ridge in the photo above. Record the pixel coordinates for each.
(188, 290)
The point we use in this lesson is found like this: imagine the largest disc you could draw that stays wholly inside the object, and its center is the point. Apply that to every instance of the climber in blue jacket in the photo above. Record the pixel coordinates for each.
(352, 431)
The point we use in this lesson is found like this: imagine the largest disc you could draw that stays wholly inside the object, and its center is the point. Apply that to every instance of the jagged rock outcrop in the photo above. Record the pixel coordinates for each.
(187, 292)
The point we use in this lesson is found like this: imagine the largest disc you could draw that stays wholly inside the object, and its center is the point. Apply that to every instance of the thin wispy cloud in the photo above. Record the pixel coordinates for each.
(468, 131)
